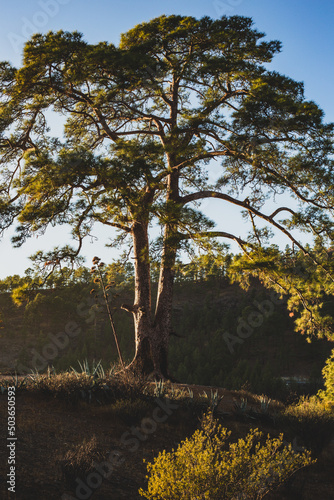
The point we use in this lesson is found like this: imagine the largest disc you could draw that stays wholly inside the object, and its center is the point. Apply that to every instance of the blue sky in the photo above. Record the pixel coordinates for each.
(304, 27)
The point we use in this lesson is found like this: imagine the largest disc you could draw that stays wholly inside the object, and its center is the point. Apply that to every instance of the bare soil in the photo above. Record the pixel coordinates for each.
(47, 428)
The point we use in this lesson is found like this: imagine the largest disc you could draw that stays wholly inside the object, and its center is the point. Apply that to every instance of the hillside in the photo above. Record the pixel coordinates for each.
(68, 423)
(224, 335)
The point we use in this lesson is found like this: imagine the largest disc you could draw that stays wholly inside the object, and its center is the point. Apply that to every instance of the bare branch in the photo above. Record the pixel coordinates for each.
(217, 234)
(282, 209)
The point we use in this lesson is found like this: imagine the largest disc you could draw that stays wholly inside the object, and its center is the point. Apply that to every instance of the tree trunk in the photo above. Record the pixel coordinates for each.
(141, 309)
(163, 313)
(151, 335)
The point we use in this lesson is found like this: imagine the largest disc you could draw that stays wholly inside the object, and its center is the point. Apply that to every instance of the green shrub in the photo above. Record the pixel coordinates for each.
(328, 374)
(205, 466)
(312, 420)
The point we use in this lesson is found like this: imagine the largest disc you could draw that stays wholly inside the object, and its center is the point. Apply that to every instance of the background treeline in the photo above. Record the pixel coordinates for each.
(222, 335)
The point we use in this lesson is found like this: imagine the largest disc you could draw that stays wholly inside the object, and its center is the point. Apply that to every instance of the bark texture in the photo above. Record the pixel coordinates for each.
(153, 329)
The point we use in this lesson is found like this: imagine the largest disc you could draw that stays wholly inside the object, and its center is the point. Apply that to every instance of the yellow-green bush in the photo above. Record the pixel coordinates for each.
(328, 374)
(312, 420)
(206, 467)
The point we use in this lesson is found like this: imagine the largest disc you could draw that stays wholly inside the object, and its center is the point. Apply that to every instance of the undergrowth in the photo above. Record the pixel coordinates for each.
(208, 466)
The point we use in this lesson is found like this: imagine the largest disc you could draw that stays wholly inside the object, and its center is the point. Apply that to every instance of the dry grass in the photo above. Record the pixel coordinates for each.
(79, 461)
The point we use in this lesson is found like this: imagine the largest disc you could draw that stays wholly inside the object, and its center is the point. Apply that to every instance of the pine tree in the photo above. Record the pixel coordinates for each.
(142, 122)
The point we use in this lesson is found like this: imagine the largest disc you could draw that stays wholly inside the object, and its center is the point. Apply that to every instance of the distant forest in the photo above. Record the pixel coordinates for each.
(222, 335)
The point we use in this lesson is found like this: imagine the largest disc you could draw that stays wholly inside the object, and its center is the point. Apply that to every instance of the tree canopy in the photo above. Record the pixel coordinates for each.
(142, 122)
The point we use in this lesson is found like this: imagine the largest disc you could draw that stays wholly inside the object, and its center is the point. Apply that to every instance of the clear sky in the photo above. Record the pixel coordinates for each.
(304, 27)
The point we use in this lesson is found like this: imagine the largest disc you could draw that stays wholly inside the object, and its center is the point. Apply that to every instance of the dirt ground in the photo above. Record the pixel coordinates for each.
(47, 428)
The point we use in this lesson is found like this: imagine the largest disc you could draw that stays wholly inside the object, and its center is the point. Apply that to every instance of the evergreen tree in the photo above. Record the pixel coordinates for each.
(143, 121)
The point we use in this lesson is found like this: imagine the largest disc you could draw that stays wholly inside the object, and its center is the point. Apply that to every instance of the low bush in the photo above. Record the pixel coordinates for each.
(205, 466)
(126, 385)
(87, 385)
(69, 385)
(311, 420)
(328, 374)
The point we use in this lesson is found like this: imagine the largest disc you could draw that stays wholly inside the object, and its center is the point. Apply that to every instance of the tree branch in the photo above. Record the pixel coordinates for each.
(216, 234)
(112, 224)
(246, 206)
(282, 209)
